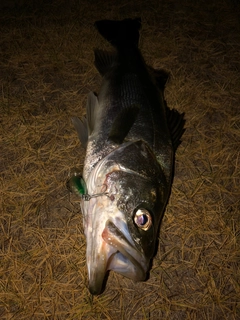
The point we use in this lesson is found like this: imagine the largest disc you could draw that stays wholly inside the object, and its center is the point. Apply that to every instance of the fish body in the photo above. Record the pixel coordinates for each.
(130, 144)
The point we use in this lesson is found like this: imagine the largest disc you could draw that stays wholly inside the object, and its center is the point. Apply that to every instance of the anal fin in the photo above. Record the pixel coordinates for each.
(104, 60)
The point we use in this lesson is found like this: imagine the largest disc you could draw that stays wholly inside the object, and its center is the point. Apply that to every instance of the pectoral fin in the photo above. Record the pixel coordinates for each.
(85, 126)
(82, 129)
(92, 106)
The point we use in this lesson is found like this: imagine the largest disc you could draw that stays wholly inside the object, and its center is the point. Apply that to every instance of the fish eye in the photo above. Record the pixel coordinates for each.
(143, 219)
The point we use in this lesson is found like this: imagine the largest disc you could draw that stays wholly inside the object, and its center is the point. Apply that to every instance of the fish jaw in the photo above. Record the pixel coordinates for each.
(118, 187)
(109, 245)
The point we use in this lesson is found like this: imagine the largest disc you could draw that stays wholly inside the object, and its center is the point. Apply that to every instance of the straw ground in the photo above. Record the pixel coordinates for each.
(46, 71)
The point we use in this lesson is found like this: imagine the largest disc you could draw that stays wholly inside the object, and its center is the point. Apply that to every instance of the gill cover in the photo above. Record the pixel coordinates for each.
(140, 190)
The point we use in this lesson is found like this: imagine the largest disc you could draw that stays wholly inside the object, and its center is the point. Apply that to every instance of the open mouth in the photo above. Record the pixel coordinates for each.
(116, 254)
(126, 253)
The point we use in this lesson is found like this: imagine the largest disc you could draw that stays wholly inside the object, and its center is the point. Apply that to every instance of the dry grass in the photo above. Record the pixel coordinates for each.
(46, 71)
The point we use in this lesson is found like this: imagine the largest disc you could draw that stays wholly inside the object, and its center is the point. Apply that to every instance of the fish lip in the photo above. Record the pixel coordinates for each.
(115, 242)
(110, 245)
(96, 287)
(116, 238)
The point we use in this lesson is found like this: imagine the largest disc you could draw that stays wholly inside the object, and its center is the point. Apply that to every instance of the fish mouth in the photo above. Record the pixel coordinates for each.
(115, 252)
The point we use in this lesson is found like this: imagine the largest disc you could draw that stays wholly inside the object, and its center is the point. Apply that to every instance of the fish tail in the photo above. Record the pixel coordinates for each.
(121, 34)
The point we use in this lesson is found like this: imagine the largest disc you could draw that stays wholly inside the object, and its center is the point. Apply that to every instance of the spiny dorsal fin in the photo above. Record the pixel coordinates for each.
(104, 60)
(175, 120)
(85, 126)
(123, 123)
(122, 33)
(176, 123)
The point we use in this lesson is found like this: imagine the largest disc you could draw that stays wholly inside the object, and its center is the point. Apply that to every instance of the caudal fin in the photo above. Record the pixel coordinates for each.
(122, 33)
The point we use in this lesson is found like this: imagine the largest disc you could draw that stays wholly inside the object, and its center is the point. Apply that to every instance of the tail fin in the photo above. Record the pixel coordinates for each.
(124, 33)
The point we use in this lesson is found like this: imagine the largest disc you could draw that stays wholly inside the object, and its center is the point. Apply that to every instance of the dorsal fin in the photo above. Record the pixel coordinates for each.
(176, 123)
(175, 119)
(123, 123)
(85, 126)
(160, 76)
(104, 60)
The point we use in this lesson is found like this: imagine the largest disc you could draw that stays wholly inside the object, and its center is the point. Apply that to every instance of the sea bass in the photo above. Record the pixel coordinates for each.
(130, 137)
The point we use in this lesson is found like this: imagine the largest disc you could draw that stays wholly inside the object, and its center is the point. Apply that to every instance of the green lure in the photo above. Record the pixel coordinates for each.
(77, 185)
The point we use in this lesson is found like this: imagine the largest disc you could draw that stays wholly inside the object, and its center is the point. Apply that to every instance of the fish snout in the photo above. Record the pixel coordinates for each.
(114, 251)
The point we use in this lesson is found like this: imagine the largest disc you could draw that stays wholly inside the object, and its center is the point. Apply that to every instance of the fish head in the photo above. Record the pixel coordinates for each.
(121, 219)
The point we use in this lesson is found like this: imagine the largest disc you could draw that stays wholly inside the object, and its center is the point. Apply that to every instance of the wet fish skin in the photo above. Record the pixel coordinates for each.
(128, 168)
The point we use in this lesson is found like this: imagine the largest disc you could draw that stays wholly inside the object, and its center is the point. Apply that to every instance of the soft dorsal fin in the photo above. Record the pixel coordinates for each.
(104, 60)
(85, 126)
(123, 123)
(176, 123)
(161, 76)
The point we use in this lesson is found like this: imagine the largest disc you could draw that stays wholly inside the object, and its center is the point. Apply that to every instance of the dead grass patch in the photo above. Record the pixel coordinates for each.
(46, 71)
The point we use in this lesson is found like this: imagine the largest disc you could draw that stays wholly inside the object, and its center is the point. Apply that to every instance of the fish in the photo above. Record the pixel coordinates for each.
(130, 136)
